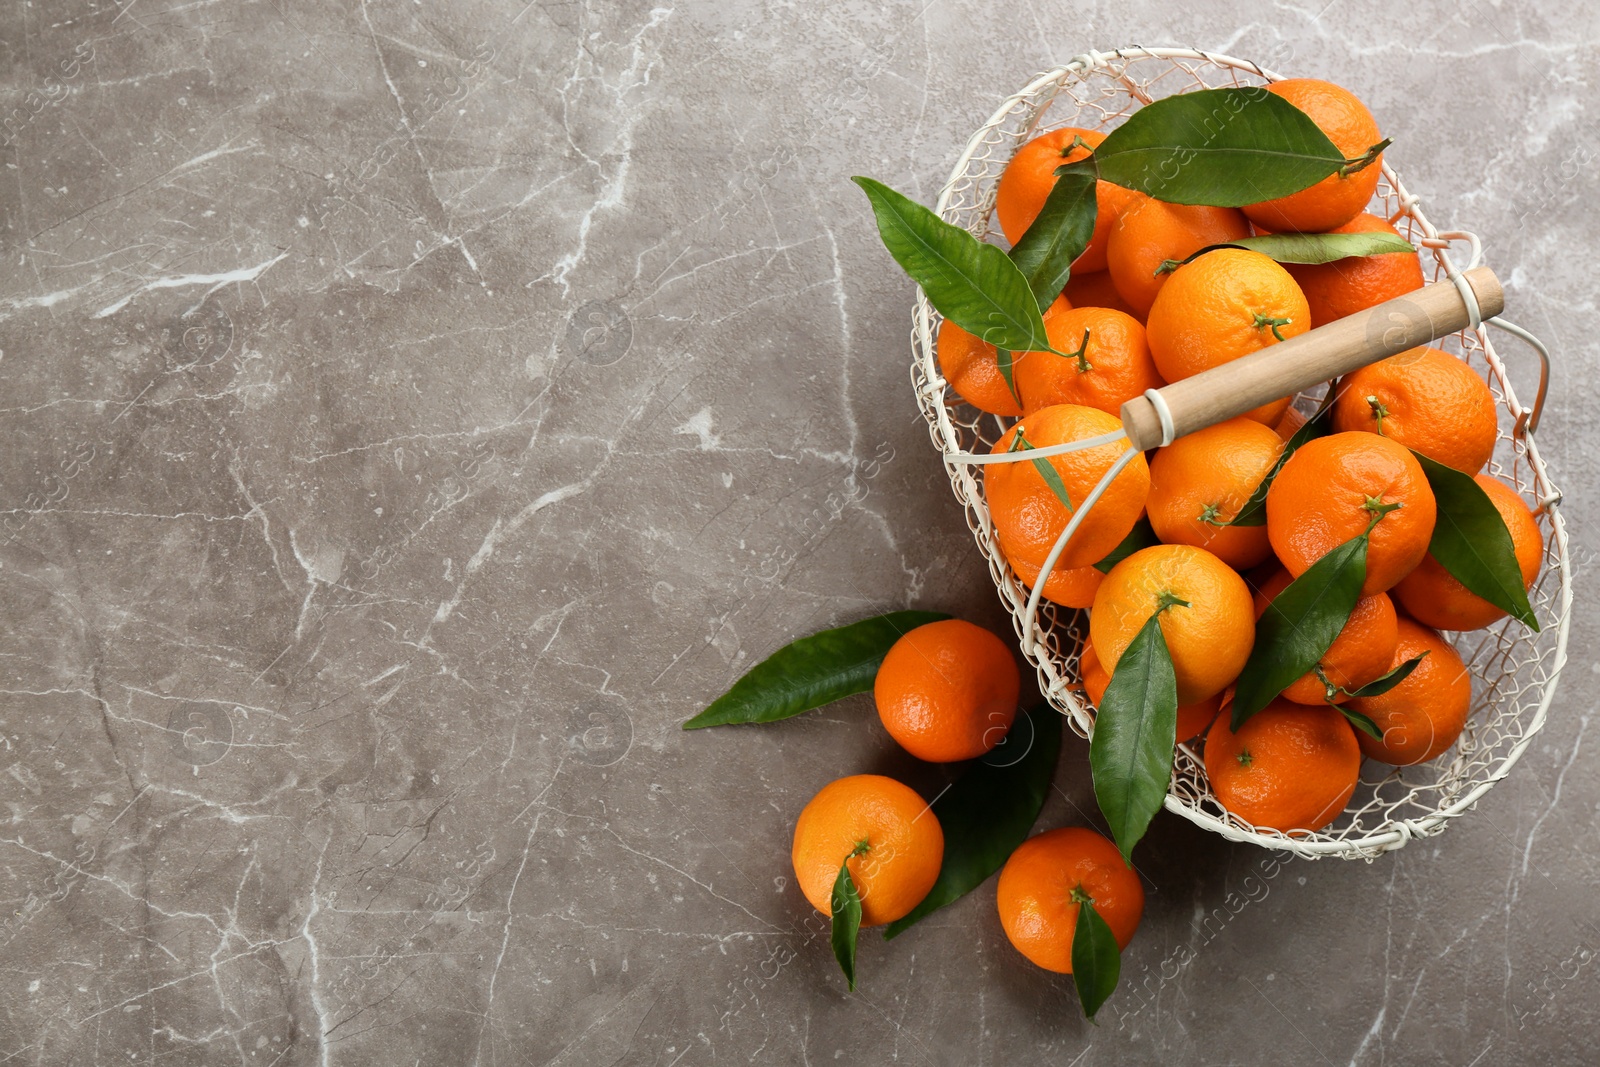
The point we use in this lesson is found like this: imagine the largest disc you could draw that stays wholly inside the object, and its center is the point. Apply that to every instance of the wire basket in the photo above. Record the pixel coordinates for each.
(1514, 670)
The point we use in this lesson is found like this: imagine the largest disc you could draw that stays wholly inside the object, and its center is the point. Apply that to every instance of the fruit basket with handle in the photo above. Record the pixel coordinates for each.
(1514, 669)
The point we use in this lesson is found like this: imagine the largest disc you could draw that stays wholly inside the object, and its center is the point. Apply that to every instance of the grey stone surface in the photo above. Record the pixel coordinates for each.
(413, 412)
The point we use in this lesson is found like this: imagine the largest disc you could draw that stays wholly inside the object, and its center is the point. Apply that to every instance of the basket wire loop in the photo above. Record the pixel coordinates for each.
(1514, 670)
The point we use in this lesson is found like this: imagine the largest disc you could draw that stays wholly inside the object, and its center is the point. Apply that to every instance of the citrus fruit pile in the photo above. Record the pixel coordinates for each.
(1271, 587)
(1163, 291)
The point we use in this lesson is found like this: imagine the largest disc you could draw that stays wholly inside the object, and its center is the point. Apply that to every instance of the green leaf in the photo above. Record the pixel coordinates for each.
(1361, 722)
(1254, 511)
(1222, 147)
(1003, 360)
(1299, 625)
(1470, 540)
(812, 671)
(974, 285)
(1051, 476)
(1380, 686)
(846, 907)
(1307, 248)
(1130, 752)
(1096, 960)
(989, 810)
(1059, 235)
(1143, 535)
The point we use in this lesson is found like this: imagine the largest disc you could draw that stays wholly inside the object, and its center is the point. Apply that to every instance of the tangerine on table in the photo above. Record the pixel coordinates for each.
(1192, 718)
(1200, 481)
(947, 691)
(1329, 491)
(1361, 653)
(904, 846)
(1029, 177)
(1436, 598)
(1097, 290)
(1425, 713)
(1027, 515)
(1149, 232)
(1291, 767)
(1338, 198)
(1209, 624)
(972, 368)
(1109, 362)
(1228, 303)
(1355, 283)
(1043, 882)
(1425, 399)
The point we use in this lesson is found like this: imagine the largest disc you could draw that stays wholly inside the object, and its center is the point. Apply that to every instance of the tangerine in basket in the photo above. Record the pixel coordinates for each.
(972, 368)
(1362, 653)
(1070, 587)
(1031, 174)
(1355, 283)
(1228, 303)
(1108, 363)
(1097, 290)
(1425, 713)
(1192, 718)
(1425, 399)
(1291, 767)
(1043, 883)
(1208, 624)
(1339, 197)
(947, 691)
(1200, 481)
(1149, 232)
(1027, 514)
(1332, 488)
(903, 846)
(1433, 596)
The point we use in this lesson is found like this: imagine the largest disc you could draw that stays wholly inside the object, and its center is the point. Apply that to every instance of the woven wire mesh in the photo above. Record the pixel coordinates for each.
(1514, 669)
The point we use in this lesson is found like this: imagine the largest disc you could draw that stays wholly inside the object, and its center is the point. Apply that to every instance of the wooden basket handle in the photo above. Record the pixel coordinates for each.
(1318, 355)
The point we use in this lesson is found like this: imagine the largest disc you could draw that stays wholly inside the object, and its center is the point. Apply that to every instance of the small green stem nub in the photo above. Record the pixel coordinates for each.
(1379, 412)
(1079, 895)
(1365, 159)
(1019, 442)
(862, 847)
(1168, 599)
(1081, 355)
(1244, 757)
(1379, 509)
(1329, 690)
(1077, 143)
(1268, 320)
(1210, 515)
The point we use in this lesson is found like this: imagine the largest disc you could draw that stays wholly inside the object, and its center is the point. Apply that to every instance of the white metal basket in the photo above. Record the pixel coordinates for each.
(1514, 670)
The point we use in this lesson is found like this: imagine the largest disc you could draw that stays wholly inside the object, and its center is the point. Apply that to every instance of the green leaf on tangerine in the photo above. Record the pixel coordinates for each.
(1470, 540)
(974, 285)
(1130, 751)
(812, 671)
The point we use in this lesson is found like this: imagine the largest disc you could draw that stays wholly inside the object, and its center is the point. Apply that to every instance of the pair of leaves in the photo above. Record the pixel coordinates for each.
(1135, 731)
(1470, 540)
(812, 671)
(1221, 147)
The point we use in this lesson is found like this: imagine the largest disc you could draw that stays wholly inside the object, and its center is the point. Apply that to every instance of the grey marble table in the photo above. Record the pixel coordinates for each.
(414, 411)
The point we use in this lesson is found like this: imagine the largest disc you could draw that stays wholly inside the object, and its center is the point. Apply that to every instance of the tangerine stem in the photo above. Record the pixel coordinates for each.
(1379, 509)
(1079, 895)
(1082, 355)
(1167, 599)
(1275, 323)
(1379, 412)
